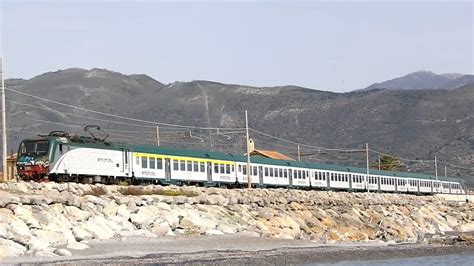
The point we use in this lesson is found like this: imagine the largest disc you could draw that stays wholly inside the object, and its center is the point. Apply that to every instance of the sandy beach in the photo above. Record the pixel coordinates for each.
(235, 250)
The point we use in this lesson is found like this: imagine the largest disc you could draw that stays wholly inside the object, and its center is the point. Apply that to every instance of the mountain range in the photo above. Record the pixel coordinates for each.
(422, 80)
(414, 116)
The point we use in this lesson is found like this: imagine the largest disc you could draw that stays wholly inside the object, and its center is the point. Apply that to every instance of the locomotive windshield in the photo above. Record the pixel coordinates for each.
(32, 148)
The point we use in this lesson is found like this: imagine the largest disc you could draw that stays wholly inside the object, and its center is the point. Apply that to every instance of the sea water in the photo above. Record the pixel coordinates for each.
(457, 260)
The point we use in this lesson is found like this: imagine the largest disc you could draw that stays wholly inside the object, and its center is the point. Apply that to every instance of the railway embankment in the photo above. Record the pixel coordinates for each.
(51, 219)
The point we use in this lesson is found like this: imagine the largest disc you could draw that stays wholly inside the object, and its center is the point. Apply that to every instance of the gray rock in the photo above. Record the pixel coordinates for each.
(10, 248)
(77, 245)
(51, 237)
(145, 215)
(75, 214)
(62, 252)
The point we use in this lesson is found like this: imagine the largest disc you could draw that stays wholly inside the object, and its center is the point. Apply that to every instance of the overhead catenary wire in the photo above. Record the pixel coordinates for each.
(112, 115)
(305, 145)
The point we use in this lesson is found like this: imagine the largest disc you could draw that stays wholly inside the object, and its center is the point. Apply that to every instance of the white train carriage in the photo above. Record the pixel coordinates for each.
(358, 182)
(425, 186)
(148, 166)
(412, 185)
(387, 183)
(339, 180)
(319, 178)
(299, 177)
(241, 173)
(373, 183)
(276, 175)
(456, 188)
(223, 171)
(402, 184)
(445, 187)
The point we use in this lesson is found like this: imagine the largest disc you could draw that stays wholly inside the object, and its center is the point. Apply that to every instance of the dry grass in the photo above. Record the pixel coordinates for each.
(96, 191)
(138, 191)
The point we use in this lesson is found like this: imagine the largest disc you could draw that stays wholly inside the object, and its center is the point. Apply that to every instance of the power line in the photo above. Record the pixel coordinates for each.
(98, 119)
(305, 145)
(112, 115)
(400, 158)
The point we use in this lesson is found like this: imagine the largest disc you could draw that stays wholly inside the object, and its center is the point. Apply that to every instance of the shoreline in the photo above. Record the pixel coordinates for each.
(238, 250)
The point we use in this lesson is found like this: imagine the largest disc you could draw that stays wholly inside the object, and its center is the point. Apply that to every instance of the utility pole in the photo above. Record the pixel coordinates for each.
(379, 163)
(367, 157)
(436, 171)
(4, 126)
(249, 176)
(157, 136)
(299, 154)
(445, 171)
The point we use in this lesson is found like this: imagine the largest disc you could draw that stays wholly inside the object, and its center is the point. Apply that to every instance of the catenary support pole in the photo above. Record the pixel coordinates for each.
(249, 175)
(299, 154)
(436, 171)
(157, 136)
(367, 158)
(4, 126)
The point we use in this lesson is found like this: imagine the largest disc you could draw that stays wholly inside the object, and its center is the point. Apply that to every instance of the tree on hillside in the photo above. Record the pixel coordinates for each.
(389, 163)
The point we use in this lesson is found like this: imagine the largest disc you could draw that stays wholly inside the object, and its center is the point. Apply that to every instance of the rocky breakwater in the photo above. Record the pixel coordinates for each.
(51, 219)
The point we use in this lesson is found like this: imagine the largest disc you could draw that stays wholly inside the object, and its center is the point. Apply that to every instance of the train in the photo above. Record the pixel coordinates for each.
(62, 157)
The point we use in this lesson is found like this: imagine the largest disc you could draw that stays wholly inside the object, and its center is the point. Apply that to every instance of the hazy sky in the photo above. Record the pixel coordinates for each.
(331, 45)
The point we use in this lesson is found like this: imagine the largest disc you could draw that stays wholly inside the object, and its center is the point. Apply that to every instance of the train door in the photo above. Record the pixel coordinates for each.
(260, 175)
(209, 172)
(125, 161)
(167, 170)
(290, 175)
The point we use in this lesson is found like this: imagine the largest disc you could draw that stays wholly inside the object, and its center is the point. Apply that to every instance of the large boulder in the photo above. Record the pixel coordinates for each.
(75, 214)
(9, 248)
(51, 237)
(145, 216)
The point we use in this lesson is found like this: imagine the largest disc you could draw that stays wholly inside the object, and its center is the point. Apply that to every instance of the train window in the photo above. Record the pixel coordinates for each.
(285, 173)
(255, 172)
(244, 169)
(175, 165)
(281, 172)
(299, 174)
(240, 168)
(189, 166)
(196, 166)
(227, 168)
(232, 168)
(216, 168)
(182, 165)
(290, 173)
(266, 171)
(152, 163)
(202, 167)
(159, 163)
(222, 168)
(271, 172)
(137, 160)
(144, 162)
